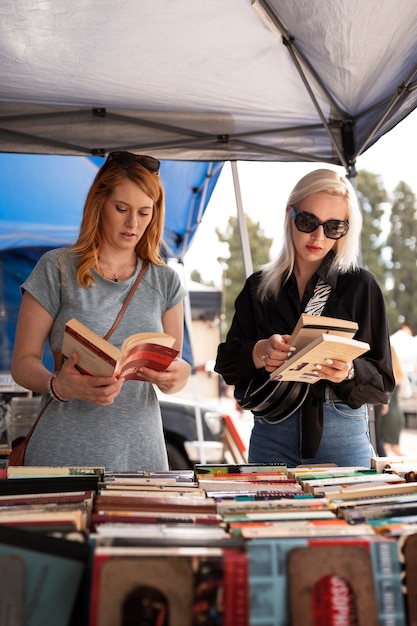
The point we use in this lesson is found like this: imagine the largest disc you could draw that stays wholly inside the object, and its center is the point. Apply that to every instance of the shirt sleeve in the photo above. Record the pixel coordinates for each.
(234, 356)
(44, 282)
(374, 379)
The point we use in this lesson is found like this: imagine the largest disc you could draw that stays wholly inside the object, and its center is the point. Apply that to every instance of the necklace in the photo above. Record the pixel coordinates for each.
(117, 273)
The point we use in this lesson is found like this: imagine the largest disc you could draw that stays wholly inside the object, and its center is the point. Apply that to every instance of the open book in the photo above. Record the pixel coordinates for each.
(318, 338)
(99, 357)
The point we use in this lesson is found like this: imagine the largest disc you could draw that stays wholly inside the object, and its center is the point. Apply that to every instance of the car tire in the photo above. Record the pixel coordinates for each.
(176, 459)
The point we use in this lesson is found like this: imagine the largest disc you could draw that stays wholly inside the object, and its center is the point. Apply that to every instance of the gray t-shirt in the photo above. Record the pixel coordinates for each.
(128, 435)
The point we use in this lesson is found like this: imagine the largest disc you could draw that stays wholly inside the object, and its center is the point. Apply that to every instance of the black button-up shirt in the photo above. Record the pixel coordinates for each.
(354, 296)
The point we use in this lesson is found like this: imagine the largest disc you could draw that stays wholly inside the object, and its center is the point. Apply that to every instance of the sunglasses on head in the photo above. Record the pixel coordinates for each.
(308, 223)
(127, 159)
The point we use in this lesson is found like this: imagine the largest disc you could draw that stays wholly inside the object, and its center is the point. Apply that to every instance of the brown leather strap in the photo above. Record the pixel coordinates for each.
(128, 299)
(42, 411)
(58, 356)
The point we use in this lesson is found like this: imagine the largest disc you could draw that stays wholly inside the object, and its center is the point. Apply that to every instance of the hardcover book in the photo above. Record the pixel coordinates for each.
(99, 357)
(290, 580)
(168, 585)
(50, 571)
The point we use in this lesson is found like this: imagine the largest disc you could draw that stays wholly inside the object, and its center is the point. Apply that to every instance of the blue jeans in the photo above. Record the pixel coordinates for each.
(345, 440)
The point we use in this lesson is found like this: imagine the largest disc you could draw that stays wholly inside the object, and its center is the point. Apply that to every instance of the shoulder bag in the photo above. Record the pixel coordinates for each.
(19, 445)
(275, 401)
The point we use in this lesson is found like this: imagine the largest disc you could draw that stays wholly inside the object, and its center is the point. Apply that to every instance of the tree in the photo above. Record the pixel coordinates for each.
(234, 271)
(402, 240)
(372, 199)
(195, 276)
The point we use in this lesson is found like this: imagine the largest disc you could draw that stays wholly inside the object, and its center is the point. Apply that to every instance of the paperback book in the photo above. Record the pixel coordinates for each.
(309, 327)
(99, 357)
(303, 365)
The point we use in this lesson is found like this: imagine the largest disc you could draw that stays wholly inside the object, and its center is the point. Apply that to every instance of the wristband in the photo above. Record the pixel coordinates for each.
(53, 392)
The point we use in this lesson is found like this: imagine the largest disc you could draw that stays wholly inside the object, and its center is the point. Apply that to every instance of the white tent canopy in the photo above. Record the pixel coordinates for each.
(280, 80)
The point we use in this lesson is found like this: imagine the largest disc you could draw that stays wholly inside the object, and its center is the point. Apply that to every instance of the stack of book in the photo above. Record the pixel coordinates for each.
(229, 544)
(45, 550)
(162, 555)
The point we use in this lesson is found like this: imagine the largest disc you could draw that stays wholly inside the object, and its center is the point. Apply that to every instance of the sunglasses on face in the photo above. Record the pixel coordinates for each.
(308, 223)
(127, 159)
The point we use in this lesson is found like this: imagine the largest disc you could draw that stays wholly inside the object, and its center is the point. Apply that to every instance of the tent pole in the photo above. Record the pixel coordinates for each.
(193, 377)
(243, 229)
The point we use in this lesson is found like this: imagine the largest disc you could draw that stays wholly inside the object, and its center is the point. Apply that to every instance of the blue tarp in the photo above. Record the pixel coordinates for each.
(41, 200)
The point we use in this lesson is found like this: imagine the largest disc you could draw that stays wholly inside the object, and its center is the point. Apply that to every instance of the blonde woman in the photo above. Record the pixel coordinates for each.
(321, 242)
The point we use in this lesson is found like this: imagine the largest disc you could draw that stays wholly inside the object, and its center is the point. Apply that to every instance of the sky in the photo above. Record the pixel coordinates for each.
(265, 188)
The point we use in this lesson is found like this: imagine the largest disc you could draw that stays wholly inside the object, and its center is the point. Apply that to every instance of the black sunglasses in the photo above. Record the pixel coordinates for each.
(308, 223)
(127, 159)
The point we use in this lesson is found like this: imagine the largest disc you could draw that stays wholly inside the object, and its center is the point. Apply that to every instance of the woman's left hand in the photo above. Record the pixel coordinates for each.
(173, 379)
(334, 371)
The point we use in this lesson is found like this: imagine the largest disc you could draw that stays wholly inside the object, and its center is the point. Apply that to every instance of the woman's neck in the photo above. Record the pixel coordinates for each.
(117, 268)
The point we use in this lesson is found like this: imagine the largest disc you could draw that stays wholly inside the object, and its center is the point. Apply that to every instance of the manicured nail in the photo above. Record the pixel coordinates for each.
(329, 361)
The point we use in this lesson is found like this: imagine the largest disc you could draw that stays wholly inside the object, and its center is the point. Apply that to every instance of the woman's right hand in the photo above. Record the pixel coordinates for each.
(70, 384)
(273, 352)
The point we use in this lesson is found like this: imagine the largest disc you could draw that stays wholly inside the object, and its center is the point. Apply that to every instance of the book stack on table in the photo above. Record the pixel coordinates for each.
(240, 545)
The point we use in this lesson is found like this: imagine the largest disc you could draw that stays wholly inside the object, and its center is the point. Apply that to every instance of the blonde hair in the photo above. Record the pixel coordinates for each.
(90, 240)
(346, 249)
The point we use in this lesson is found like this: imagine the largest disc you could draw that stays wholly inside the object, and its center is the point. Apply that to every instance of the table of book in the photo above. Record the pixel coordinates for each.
(224, 545)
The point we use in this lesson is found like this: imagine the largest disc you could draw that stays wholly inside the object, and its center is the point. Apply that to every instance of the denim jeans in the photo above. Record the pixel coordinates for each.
(345, 440)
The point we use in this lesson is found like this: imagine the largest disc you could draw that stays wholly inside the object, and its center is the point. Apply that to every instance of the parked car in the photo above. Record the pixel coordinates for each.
(179, 416)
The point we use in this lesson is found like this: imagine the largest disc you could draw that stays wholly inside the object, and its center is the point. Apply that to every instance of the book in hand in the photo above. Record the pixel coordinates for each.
(309, 327)
(302, 365)
(99, 357)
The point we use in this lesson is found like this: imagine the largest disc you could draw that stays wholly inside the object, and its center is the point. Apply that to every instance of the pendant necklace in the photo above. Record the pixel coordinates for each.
(115, 274)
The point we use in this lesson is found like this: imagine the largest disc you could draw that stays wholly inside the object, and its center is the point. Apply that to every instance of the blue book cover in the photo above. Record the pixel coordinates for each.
(50, 570)
(269, 582)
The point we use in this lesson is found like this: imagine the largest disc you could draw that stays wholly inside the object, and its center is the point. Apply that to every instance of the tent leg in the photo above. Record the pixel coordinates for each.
(197, 409)
(243, 230)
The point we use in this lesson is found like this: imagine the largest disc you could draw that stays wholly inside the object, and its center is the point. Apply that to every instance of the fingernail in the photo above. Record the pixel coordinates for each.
(318, 367)
(329, 361)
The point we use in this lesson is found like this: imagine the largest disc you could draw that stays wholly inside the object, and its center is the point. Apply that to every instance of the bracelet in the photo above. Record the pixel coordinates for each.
(53, 392)
(351, 373)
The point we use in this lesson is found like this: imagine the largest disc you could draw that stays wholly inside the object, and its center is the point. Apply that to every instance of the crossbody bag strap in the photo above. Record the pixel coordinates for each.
(128, 299)
(58, 355)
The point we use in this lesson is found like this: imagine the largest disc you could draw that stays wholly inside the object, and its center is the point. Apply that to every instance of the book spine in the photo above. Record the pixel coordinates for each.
(90, 346)
(236, 607)
(387, 580)
(94, 599)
